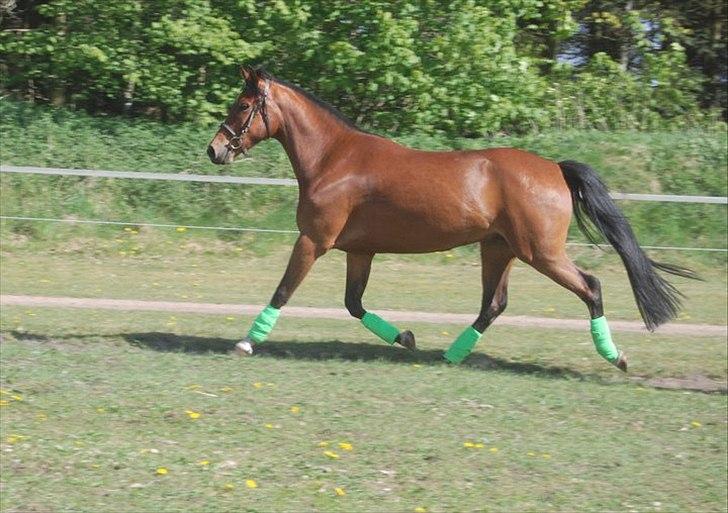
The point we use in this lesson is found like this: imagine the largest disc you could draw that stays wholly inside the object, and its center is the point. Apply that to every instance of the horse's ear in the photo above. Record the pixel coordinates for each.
(248, 73)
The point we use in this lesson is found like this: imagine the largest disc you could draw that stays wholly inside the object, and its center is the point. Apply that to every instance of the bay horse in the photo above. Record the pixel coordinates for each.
(364, 194)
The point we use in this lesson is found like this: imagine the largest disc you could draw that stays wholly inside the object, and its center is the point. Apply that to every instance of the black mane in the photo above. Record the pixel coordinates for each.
(328, 108)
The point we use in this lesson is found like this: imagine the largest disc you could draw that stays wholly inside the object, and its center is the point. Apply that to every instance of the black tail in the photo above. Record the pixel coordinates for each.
(657, 300)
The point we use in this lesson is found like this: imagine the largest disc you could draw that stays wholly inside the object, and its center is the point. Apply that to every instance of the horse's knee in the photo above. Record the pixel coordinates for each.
(496, 307)
(354, 306)
(280, 297)
(500, 304)
(593, 298)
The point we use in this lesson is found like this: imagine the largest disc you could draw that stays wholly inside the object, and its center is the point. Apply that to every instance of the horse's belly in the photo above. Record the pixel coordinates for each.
(406, 232)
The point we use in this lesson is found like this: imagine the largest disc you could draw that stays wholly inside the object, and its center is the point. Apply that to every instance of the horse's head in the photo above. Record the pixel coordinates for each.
(248, 121)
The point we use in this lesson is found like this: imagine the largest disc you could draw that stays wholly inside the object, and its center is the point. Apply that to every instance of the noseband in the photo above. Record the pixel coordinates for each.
(235, 139)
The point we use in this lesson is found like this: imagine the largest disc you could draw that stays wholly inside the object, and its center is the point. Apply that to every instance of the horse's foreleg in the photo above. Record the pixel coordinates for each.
(305, 252)
(358, 266)
(497, 259)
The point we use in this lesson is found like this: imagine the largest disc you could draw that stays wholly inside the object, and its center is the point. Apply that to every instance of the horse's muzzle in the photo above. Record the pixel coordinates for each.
(221, 157)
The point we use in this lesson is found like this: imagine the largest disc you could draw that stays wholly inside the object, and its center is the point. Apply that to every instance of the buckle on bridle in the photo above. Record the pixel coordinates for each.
(235, 140)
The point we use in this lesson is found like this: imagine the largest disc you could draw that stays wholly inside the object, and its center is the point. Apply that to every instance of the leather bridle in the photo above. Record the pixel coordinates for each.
(235, 139)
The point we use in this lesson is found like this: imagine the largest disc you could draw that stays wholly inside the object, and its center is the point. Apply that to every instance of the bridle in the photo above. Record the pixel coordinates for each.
(235, 139)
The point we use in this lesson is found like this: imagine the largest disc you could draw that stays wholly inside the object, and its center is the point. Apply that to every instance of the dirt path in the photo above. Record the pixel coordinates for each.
(705, 330)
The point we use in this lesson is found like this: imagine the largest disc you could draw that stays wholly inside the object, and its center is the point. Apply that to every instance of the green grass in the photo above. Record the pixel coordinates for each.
(443, 282)
(686, 162)
(105, 394)
(105, 398)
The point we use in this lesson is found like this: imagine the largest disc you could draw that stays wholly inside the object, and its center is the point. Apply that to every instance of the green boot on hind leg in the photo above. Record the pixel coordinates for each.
(604, 344)
(462, 346)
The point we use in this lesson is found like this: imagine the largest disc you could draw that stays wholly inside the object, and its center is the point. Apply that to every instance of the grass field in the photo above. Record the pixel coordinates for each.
(128, 411)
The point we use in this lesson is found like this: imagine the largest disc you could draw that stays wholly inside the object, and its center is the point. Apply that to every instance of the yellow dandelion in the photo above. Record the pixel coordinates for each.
(323, 444)
(250, 483)
(340, 491)
(4, 402)
(420, 509)
(258, 385)
(269, 426)
(14, 439)
(295, 410)
(531, 453)
(346, 446)
(203, 463)
(161, 471)
(331, 454)
(493, 449)
(468, 444)
(695, 424)
(193, 414)
(17, 397)
(100, 410)
(228, 486)
(181, 229)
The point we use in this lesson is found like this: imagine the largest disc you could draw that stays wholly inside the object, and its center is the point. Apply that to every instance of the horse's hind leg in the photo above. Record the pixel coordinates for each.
(563, 271)
(358, 266)
(497, 259)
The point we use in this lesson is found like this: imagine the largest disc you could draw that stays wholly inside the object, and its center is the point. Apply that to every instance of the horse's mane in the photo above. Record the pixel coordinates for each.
(261, 72)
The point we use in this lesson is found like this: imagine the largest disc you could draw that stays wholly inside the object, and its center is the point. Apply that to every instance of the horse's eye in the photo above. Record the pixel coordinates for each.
(244, 106)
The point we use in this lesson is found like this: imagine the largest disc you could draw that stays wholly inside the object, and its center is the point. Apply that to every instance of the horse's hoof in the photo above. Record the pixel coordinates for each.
(406, 339)
(621, 362)
(244, 348)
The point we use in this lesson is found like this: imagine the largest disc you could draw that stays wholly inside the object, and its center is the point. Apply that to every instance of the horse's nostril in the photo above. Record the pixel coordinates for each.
(211, 152)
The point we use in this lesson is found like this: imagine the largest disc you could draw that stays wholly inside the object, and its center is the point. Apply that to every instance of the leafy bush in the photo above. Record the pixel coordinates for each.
(460, 67)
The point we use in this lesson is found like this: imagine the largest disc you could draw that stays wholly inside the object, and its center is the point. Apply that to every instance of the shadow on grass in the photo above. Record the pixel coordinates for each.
(314, 351)
(360, 352)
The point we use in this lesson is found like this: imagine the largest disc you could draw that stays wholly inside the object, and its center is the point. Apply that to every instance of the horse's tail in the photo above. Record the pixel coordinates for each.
(657, 300)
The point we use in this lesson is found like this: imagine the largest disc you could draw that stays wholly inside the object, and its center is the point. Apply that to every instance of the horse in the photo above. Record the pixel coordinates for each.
(365, 194)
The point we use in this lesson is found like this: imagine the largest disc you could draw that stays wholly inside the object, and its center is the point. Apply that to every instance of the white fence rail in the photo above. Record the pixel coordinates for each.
(284, 182)
(248, 180)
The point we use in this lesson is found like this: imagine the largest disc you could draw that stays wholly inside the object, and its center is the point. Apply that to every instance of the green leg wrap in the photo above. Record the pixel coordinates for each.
(263, 324)
(380, 327)
(603, 339)
(463, 345)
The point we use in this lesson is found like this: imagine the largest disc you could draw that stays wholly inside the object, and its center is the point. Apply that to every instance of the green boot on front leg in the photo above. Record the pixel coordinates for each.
(259, 331)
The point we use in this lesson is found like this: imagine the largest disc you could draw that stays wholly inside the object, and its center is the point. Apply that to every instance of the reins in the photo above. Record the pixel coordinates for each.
(235, 140)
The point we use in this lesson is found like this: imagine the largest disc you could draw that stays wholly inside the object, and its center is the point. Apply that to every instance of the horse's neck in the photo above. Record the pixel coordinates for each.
(309, 135)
